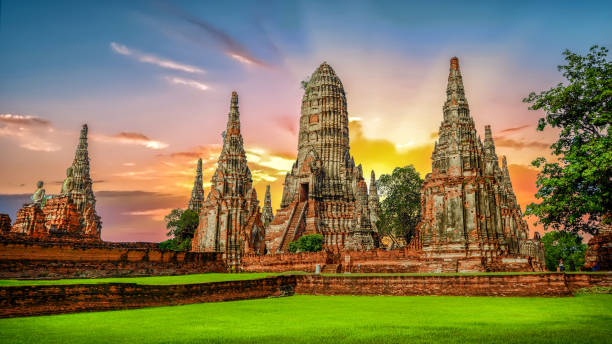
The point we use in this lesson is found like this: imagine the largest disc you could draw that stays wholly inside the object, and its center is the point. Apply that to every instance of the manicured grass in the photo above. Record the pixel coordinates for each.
(156, 280)
(334, 319)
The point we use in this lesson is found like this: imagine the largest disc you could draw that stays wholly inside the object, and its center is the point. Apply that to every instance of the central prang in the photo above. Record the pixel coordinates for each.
(324, 192)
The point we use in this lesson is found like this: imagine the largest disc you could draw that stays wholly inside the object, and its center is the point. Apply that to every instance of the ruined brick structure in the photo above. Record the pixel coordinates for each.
(197, 193)
(230, 220)
(267, 214)
(5, 223)
(325, 191)
(72, 214)
(468, 206)
(599, 252)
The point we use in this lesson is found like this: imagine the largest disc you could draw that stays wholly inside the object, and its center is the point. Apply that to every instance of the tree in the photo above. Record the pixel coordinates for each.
(181, 225)
(400, 209)
(576, 188)
(564, 245)
(307, 243)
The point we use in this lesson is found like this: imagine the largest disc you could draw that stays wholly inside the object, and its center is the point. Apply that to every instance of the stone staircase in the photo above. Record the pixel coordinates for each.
(293, 224)
(331, 269)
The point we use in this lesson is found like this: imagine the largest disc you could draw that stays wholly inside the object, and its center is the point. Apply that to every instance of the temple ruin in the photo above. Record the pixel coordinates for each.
(197, 193)
(71, 215)
(469, 208)
(325, 191)
(230, 218)
(267, 213)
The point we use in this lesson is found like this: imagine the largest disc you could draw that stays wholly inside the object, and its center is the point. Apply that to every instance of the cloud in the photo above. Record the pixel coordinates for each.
(24, 120)
(30, 132)
(152, 59)
(515, 129)
(131, 138)
(155, 214)
(188, 82)
(228, 44)
(510, 143)
(40, 146)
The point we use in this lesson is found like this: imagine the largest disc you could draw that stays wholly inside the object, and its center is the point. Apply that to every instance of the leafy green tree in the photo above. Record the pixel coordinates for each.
(564, 245)
(576, 188)
(400, 208)
(307, 243)
(181, 225)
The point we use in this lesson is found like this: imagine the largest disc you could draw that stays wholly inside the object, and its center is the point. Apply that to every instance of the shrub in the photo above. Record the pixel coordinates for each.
(307, 243)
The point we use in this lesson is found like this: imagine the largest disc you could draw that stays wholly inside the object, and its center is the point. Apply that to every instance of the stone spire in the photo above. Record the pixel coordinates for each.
(456, 103)
(323, 132)
(230, 217)
(232, 163)
(467, 207)
(82, 194)
(267, 214)
(373, 192)
(325, 191)
(197, 193)
(373, 204)
(507, 183)
(458, 147)
(490, 157)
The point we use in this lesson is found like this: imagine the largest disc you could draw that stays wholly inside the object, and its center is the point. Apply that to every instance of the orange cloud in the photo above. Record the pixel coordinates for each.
(24, 120)
(515, 129)
(510, 143)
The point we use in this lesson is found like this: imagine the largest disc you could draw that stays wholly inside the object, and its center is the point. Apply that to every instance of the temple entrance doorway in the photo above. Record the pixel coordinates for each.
(303, 192)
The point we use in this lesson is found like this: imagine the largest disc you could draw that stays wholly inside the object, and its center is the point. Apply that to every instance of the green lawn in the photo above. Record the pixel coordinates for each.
(155, 280)
(334, 319)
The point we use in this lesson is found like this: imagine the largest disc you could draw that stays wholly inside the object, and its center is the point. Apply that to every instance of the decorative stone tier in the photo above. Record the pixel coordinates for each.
(49, 260)
(40, 300)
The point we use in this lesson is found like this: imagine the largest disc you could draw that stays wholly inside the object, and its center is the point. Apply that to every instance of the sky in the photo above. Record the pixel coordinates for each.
(153, 80)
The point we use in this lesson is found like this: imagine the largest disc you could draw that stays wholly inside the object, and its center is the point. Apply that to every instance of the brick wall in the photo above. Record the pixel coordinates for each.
(20, 259)
(39, 300)
(546, 284)
(384, 261)
(305, 261)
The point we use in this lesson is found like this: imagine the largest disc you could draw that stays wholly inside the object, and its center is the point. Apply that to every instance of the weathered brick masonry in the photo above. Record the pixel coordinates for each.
(305, 261)
(546, 284)
(37, 259)
(384, 261)
(40, 300)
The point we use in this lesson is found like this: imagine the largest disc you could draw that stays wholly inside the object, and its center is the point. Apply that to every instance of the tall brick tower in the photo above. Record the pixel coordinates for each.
(230, 220)
(82, 194)
(197, 193)
(468, 206)
(320, 192)
(267, 213)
